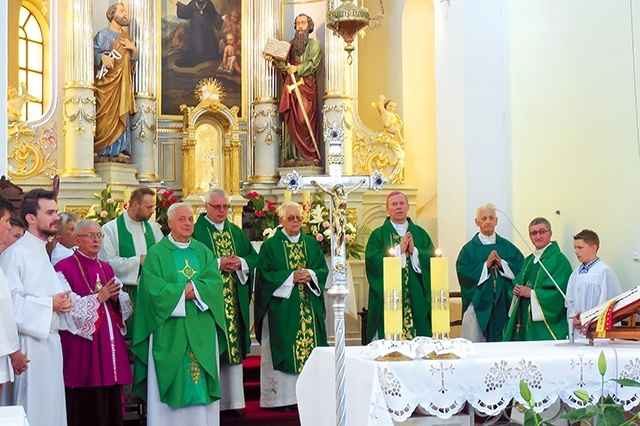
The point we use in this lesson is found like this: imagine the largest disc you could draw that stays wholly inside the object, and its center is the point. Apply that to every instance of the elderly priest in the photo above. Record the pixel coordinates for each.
(179, 320)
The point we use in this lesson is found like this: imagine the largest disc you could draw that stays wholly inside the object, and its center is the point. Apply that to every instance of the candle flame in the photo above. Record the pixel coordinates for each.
(392, 252)
(438, 253)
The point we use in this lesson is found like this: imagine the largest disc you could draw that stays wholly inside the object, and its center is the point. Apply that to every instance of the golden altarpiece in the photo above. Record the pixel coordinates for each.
(208, 141)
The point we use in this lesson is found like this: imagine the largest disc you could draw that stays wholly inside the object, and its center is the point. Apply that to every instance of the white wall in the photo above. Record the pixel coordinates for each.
(574, 123)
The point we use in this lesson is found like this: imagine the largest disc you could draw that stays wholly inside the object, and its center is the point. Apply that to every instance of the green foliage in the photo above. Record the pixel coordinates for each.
(106, 209)
(603, 412)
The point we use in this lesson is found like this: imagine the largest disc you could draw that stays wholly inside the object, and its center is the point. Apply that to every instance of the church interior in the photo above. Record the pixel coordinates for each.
(532, 106)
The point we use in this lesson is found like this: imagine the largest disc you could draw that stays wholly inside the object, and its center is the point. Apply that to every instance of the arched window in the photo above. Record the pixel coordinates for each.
(31, 62)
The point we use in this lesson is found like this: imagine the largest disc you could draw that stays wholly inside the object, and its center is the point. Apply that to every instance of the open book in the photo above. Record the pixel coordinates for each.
(625, 300)
(278, 49)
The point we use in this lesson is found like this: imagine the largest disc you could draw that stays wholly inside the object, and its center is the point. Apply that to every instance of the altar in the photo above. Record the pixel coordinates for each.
(384, 392)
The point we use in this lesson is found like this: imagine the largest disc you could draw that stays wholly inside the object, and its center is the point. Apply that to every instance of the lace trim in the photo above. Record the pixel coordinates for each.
(85, 315)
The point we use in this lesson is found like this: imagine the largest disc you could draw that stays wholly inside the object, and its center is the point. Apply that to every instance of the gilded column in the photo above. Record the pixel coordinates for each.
(79, 104)
(144, 141)
(337, 112)
(264, 119)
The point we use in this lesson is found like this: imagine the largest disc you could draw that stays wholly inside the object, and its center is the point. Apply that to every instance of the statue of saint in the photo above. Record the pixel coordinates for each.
(299, 101)
(115, 55)
(390, 120)
(15, 102)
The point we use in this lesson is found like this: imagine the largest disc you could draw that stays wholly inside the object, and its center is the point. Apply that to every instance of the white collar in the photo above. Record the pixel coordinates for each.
(219, 226)
(178, 243)
(491, 239)
(401, 228)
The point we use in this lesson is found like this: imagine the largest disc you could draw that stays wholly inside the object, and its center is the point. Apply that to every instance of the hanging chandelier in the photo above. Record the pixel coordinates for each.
(347, 20)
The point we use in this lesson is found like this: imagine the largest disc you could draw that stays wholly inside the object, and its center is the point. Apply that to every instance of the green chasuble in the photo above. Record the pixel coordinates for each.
(296, 324)
(491, 299)
(237, 296)
(554, 324)
(416, 288)
(184, 348)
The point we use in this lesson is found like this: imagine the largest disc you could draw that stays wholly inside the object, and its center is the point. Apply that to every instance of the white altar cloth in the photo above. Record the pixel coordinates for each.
(380, 392)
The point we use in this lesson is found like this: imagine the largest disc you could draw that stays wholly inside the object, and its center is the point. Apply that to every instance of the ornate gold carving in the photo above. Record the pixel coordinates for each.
(30, 156)
(79, 114)
(78, 210)
(352, 216)
(339, 268)
(384, 153)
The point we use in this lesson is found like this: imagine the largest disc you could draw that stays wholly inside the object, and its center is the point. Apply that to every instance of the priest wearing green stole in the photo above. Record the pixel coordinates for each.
(179, 328)
(237, 261)
(485, 266)
(400, 237)
(128, 238)
(538, 309)
(289, 307)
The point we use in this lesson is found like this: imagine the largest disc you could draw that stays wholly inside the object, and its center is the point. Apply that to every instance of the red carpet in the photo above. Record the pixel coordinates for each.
(254, 415)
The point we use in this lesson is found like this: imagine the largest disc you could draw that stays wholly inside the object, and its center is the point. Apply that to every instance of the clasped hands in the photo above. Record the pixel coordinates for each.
(406, 243)
(301, 276)
(522, 291)
(494, 260)
(110, 290)
(62, 302)
(19, 362)
(230, 264)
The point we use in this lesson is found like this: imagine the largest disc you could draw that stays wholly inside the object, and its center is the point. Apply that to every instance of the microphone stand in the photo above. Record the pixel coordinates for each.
(568, 301)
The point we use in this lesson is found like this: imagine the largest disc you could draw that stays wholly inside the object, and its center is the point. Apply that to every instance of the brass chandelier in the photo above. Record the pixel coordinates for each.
(347, 20)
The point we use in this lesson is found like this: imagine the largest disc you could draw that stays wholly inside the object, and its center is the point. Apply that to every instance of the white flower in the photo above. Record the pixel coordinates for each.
(327, 233)
(269, 232)
(350, 228)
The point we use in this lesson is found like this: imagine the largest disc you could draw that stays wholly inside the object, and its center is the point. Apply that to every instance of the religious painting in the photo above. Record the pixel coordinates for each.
(199, 39)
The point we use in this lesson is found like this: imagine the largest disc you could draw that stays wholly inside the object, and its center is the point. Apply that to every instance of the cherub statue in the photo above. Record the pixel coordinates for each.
(339, 209)
(391, 121)
(15, 102)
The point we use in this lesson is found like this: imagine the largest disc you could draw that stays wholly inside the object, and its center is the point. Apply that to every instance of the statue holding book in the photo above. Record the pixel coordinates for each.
(299, 101)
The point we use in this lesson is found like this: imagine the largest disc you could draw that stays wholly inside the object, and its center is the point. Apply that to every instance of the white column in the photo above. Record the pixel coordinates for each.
(144, 141)
(79, 104)
(473, 130)
(3, 89)
(264, 119)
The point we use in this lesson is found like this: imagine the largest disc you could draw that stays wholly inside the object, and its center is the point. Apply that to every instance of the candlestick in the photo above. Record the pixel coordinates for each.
(287, 195)
(306, 196)
(126, 195)
(392, 287)
(440, 319)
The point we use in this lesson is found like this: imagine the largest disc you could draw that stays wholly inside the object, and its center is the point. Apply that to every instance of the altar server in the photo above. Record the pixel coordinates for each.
(592, 282)
(41, 305)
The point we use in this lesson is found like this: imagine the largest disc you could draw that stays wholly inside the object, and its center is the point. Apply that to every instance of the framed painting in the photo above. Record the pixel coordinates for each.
(199, 39)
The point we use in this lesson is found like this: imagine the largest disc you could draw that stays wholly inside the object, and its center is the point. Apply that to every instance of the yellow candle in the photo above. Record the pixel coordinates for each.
(440, 320)
(306, 196)
(287, 195)
(392, 288)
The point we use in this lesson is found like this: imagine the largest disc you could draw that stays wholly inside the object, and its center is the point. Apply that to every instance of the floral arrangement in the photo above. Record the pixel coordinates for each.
(315, 222)
(164, 200)
(107, 209)
(262, 216)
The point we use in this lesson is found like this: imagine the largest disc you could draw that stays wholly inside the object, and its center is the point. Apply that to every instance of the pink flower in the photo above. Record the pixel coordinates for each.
(326, 224)
(271, 207)
(253, 194)
(325, 214)
(347, 238)
(103, 213)
(110, 201)
(319, 238)
(260, 213)
(168, 193)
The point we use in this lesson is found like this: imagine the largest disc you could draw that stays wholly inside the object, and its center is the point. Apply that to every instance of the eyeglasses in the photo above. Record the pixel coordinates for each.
(92, 235)
(542, 232)
(219, 206)
(294, 218)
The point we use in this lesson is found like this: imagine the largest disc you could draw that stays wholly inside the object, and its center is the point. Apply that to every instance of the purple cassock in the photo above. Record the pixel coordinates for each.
(97, 354)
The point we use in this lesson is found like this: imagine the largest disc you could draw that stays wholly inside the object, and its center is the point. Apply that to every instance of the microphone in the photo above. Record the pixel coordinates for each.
(537, 259)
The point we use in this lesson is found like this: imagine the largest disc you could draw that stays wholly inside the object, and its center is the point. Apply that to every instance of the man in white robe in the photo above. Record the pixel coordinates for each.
(592, 282)
(64, 240)
(41, 304)
(12, 360)
(127, 240)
